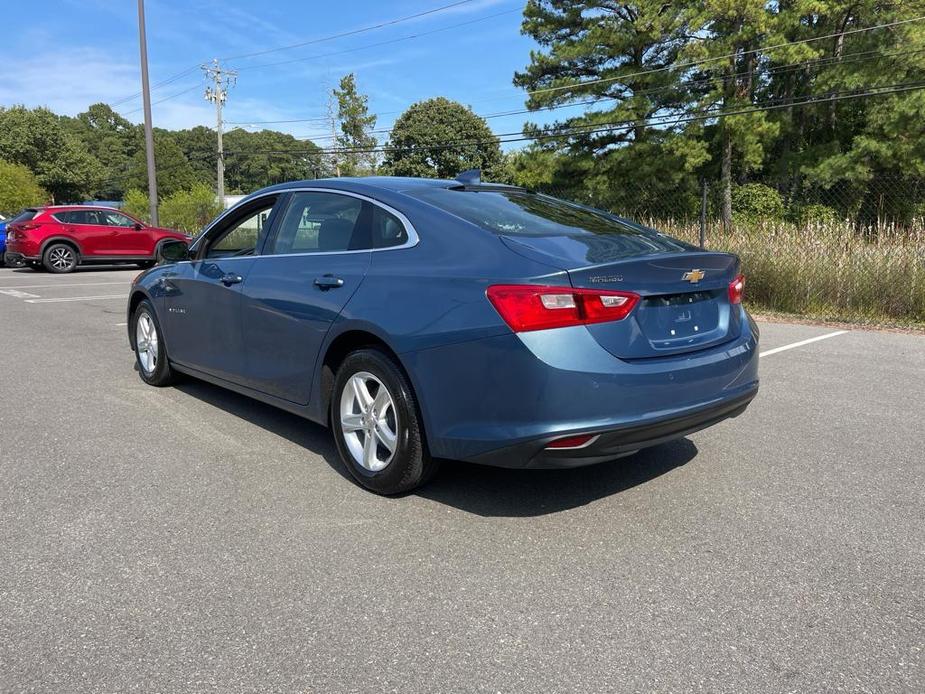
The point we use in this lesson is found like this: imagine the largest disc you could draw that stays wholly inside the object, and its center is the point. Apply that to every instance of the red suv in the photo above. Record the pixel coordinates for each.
(62, 237)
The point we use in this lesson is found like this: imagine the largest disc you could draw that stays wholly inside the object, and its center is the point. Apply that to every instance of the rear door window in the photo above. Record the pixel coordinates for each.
(319, 222)
(84, 217)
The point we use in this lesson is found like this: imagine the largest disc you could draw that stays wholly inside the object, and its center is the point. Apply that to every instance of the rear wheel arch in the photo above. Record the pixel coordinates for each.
(338, 350)
(64, 240)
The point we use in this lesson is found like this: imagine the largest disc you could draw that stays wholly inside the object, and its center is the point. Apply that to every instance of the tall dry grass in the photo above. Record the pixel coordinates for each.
(830, 271)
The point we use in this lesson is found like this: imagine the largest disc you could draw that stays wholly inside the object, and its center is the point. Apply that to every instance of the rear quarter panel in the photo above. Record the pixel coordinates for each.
(433, 293)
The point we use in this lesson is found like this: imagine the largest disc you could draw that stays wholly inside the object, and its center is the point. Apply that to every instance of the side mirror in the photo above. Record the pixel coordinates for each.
(174, 251)
(139, 226)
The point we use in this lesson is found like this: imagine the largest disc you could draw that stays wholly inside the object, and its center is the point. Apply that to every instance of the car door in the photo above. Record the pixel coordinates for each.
(314, 261)
(124, 238)
(88, 229)
(202, 297)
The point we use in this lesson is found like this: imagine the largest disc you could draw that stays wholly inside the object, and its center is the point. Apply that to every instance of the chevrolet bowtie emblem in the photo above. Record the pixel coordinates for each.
(693, 276)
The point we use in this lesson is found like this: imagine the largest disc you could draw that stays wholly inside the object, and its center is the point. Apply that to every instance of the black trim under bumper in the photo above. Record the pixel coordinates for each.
(614, 443)
(16, 256)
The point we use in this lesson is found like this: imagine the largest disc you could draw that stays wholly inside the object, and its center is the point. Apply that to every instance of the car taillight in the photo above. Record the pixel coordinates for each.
(527, 307)
(737, 289)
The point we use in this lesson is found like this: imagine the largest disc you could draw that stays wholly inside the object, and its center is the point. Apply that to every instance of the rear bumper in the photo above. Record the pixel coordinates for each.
(616, 443)
(501, 400)
(24, 249)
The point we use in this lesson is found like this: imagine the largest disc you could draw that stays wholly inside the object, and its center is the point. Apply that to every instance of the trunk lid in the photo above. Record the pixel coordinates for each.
(684, 291)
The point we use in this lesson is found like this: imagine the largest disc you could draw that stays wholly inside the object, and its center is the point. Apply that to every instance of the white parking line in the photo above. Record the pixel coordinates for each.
(75, 298)
(52, 286)
(16, 294)
(801, 343)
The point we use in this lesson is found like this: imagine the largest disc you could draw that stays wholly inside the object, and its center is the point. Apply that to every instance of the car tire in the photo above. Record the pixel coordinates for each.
(60, 258)
(369, 415)
(6, 260)
(150, 348)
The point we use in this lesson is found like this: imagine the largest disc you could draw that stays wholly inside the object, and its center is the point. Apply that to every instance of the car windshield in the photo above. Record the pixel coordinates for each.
(522, 213)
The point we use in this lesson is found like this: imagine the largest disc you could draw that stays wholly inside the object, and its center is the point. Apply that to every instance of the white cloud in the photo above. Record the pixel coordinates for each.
(66, 81)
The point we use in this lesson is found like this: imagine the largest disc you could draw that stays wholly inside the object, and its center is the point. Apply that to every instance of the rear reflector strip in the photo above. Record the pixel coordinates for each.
(568, 442)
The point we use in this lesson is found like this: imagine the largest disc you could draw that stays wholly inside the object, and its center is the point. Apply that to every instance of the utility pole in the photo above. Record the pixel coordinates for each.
(149, 133)
(332, 117)
(221, 79)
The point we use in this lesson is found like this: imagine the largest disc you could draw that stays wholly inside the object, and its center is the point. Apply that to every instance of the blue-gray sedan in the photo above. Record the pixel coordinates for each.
(451, 319)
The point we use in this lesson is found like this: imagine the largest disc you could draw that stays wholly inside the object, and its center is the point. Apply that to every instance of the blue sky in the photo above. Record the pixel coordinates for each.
(71, 53)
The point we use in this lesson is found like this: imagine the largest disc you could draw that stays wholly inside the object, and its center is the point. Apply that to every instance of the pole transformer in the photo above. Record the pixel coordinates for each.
(220, 80)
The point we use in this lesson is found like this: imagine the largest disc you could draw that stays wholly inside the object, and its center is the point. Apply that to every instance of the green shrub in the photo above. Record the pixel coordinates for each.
(816, 214)
(135, 202)
(19, 188)
(189, 210)
(755, 202)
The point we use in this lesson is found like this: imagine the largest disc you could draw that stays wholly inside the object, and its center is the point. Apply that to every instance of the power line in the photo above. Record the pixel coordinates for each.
(591, 129)
(353, 32)
(166, 98)
(846, 58)
(383, 43)
(158, 85)
(693, 63)
(644, 92)
(173, 78)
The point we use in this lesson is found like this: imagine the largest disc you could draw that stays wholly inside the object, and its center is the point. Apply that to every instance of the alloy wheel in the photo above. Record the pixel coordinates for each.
(369, 421)
(61, 257)
(146, 343)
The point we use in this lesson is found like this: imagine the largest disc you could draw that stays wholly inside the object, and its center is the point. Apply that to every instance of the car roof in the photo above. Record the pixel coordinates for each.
(394, 184)
(59, 208)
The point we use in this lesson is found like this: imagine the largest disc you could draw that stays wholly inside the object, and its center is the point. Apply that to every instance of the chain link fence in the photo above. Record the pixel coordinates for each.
(847, 253)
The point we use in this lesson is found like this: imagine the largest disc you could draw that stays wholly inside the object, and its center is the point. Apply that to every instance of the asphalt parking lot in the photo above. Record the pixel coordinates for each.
(189, 539)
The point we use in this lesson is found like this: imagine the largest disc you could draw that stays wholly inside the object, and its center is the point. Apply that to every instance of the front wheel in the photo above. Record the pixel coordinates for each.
(150, 351)
(60, 258)
(376, 426)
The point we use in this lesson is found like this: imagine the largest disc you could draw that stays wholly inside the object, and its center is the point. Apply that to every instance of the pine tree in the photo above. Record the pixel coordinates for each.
(355, 125)
(617, 61)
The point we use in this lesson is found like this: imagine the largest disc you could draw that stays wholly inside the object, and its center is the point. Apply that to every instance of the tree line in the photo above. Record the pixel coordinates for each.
(806, 104)
(100, 155)
(792, 108)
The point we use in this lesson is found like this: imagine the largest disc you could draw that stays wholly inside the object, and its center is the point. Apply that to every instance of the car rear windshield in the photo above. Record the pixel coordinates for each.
(523, 213)
(24, 216)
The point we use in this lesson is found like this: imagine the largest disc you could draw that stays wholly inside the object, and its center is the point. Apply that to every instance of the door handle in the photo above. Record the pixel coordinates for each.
(328, 282)
(230, 278)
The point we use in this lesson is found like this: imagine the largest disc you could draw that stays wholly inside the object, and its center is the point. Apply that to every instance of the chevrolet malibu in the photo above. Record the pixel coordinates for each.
(433, 319)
